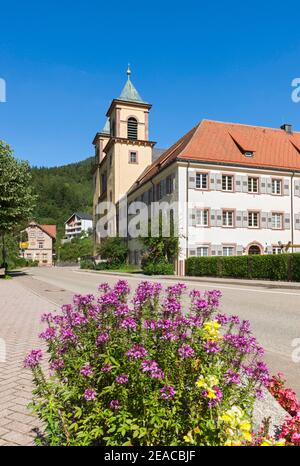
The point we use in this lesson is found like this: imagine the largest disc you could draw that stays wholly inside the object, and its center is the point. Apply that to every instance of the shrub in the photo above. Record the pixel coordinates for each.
(114, 250)
(269, 267)
(87, 264)
(147, 372)
(158, 268)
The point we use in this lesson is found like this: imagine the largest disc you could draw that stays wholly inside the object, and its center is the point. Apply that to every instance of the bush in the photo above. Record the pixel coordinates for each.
(146, 373)
(114, 250)
(268, 267)
(158, 268)
(87, 264)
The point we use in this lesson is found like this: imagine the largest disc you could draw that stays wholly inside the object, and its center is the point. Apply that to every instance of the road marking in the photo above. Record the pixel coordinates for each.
(191, 284)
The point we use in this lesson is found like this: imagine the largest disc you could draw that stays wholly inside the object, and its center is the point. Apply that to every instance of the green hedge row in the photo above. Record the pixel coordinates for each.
(268, 267)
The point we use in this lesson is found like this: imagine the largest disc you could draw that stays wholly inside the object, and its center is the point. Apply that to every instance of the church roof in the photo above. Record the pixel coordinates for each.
(129, 92)
(106, 128)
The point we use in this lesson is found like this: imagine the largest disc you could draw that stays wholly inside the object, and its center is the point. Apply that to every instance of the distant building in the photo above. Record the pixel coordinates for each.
(40, 244)
(77, 224)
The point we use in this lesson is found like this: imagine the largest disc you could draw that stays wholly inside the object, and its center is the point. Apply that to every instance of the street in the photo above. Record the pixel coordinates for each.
(274, 313)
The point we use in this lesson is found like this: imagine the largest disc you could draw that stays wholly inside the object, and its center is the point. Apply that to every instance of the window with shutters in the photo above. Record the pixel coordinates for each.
(201, 180)
(202, 251)
(132, 129)
(227, 218)
(170, 184)
(276, 186)
(228, 251)
(202, 217)
(253, 219)
(277, 221)
(227, 182)
(252, 184)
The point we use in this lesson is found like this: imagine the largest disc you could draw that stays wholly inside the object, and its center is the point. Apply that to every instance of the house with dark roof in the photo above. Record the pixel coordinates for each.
(78, 224)
(233, 189)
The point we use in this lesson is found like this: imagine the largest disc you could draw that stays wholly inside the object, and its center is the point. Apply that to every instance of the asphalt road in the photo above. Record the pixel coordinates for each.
(274, 313)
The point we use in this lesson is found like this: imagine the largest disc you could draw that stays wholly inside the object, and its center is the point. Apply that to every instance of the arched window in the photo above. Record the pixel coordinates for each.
(132, 128)
(254, 249)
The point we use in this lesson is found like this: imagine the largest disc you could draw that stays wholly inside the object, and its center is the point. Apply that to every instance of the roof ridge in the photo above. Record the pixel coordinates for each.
(244, 124)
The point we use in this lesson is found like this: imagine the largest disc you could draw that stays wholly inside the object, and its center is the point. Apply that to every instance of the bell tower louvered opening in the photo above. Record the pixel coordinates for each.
(132, 129)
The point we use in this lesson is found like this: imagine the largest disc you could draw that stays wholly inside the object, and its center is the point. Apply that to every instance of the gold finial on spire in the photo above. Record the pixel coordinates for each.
(128, 71)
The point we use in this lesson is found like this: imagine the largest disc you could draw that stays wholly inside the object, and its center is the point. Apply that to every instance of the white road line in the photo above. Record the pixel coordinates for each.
(203, 284)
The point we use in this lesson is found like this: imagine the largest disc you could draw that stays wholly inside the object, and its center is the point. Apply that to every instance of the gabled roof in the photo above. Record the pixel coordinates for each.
(49, 229)
(81, 215)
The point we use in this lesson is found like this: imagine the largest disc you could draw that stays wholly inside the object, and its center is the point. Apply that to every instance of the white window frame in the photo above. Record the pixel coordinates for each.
(276, 250)
(276, 186)
(253, 219)
(227, 218)
(201, 180)
(275, 224)
(202, 251)
(227, 180)
(251, 183)
(202, 217)
(228, 251)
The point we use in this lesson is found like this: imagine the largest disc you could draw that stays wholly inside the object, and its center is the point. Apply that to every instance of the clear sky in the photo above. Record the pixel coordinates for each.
(63, 62)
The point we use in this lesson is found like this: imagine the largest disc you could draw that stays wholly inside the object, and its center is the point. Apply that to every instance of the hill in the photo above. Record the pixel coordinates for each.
(62, 191)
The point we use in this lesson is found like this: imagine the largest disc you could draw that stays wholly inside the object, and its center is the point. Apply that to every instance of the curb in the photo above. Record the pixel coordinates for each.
(215, 280)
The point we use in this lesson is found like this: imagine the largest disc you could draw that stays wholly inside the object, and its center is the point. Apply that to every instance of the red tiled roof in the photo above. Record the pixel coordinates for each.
(49, 229)
(214, 141)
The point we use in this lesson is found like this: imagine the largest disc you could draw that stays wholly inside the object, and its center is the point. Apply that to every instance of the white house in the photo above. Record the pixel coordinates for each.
(78, 224)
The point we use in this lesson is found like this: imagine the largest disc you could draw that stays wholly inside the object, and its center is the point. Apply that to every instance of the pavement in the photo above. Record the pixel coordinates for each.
(274, 314)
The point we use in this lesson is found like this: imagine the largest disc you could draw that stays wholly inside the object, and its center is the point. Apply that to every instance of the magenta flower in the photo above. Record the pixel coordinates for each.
(104, 287)
(122, 288)
(212, 347)
(157, 374)
(102, 338)
(57, 364)
(167, 392)
(48, 334)
(86, 370)
(129, 323)
(106, 368)
(186, 352)
(114, 404)
(122, 379)
(33, 358)
(137, 352)
(232, 377)
(149, 365)
(90, 394)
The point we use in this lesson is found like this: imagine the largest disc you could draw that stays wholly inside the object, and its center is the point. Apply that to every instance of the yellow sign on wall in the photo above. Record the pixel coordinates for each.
(24, 245)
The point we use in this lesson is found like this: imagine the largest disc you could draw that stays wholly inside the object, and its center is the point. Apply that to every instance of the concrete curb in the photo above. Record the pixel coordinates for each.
(216, 280)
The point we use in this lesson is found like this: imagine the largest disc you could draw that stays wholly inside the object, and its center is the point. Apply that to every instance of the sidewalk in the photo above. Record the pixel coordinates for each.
(20, 312)
(222, 281)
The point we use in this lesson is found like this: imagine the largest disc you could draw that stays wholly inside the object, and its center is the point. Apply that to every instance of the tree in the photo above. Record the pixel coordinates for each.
(114, 250)
(16, 194)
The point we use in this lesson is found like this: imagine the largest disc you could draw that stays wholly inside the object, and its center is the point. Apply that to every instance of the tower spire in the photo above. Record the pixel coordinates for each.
(128, 71)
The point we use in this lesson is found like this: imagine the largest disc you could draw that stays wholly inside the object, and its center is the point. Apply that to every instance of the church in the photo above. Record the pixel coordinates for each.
(237, 187)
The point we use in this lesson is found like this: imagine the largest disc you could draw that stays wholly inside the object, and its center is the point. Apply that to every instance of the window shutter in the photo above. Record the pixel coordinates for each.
(269, 186)
(286, 187)
(287, 221)
(239, 250)
(213, 218)
(245, 219)
(269, 220)
(163, 188)
(218, 218)
(212, 181)
(264, 220)
(297, 221)
(263, 185)
(192, 179)
(219, 250)
(245, 184)
(218, 178)
(238, 183)
(297, 187)
(239, 219)
(214, 250)
(192, 217)
(192, 252)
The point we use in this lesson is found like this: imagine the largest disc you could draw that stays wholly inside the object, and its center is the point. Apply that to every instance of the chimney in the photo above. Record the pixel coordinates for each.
(287, 128)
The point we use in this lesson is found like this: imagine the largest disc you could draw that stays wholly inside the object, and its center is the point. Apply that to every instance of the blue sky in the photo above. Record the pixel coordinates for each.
(64, 61)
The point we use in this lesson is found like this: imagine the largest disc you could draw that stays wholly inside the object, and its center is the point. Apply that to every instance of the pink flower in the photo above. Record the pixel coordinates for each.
(90, 394)
(33, 359)
(86, 370)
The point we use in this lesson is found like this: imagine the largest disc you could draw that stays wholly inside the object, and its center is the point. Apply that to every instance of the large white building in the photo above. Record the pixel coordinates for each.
(237, 186)
(78, 224)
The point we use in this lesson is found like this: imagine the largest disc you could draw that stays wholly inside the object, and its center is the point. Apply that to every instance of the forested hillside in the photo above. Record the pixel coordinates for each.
(62, 191)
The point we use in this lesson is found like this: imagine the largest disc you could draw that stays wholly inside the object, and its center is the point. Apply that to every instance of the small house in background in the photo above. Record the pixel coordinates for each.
(78, 224)
(40, 244)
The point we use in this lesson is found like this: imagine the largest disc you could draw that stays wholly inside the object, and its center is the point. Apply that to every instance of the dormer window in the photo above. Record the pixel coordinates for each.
(248, 153)
(132, 129)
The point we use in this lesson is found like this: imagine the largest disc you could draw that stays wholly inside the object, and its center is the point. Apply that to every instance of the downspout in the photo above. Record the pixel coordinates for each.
(292, 210)
(187, 210)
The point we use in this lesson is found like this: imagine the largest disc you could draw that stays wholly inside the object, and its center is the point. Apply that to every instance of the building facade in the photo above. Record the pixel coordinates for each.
(78, 224)
(40, 244)
(233, 189)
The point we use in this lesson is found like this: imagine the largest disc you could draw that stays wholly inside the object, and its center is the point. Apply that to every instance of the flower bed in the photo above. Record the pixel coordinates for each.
(148, 371)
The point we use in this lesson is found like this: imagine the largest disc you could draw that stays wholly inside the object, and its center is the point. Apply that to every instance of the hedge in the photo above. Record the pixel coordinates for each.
(268, 267)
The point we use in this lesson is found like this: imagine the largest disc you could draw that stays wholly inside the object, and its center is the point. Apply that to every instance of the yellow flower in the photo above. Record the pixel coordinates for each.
(247, 436)
(197, 430)
(211, 393)
(245, 426)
